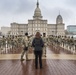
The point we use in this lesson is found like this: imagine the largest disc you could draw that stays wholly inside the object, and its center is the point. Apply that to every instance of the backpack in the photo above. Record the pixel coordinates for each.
(38, 44)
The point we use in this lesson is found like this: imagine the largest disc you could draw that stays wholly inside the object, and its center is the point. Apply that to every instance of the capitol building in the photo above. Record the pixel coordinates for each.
(39, 24)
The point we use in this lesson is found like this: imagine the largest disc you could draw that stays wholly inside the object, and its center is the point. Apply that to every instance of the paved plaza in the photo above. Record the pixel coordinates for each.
(62, 63)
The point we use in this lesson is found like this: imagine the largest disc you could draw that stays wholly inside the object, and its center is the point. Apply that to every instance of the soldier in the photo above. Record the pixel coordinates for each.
(25, 49)
(45, 43)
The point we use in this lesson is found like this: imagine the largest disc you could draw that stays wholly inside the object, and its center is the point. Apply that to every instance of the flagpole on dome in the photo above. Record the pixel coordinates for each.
(37, 3)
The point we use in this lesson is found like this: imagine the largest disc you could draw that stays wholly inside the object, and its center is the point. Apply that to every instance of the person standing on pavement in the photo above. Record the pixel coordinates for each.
(45, 44)
(38, 45)
(25, 46)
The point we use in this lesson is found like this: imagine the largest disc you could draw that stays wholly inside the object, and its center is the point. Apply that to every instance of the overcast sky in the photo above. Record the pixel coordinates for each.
(21, 10)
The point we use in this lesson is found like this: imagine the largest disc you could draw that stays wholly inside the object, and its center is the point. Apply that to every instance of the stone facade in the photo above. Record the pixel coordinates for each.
(18, 29)
(5, 31)
(39, 24)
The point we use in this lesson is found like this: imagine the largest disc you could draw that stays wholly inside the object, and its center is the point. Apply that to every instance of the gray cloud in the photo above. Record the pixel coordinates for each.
(71, 3)
(52, 14)
(22, 10)
(16, 6)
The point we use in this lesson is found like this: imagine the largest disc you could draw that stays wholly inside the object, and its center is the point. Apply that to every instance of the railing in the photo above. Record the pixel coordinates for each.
(66, 43)
(9, 45)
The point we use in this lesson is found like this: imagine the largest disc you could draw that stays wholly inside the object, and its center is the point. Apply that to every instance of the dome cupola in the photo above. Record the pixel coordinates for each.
(59, 19)
(37, 12)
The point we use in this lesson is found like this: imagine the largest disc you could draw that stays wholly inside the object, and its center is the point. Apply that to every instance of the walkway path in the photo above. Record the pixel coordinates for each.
(61, 63)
